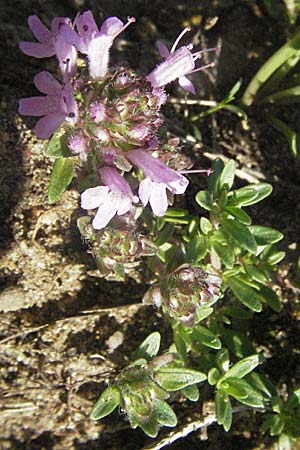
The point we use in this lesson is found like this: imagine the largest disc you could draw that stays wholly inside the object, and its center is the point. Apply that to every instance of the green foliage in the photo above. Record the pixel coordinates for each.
(284, 420)
(203, 308)
(265, 88)
(61, 176)
(142, 387)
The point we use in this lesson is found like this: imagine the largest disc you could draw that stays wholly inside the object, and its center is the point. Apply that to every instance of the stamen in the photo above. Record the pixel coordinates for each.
(200, 53)
(184, 31)
(212, 64)
(130, 20)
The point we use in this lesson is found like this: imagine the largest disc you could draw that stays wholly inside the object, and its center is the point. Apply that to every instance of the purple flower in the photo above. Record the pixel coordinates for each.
(93, 42)
(58, 105)
(78, 146)
(51, 43)
(158, 178)
(176, 64)
(97, 112)
(114, 198)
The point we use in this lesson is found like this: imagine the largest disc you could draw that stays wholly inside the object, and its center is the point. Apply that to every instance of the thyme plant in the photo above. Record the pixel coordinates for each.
(207, 269)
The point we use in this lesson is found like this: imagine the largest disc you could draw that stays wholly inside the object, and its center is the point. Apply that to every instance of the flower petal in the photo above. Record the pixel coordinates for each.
(163, 49)
(33, 106)
(179, 185)
(46, 126)
(176, 65)
(145, 188)
(86, 25)
(94, 197)
(116, 183)
(104, 215)
(124, 205)
(38, 29)
(72, 38)
(111, 26)
(186, 84)
(98, 55)
(47, 84)
(158, 199)
(37, 49)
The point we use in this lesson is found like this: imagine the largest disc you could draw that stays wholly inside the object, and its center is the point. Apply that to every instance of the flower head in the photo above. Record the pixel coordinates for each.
(93, 42)
(177, 64)
(97, 112)
(158, 178)
(114, 198)
(52, 43)
(58, 105)
(78, 146)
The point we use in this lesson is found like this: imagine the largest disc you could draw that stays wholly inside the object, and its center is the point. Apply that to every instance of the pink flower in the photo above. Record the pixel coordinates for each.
(58, 105)
(97, 112)
(176, 64)
(93, 42)
(158, 178)
(114, 198)
(51, 43)
(78, 146)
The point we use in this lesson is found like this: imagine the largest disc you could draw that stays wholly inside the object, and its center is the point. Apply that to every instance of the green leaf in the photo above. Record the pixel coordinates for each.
(214, 178)
(251, 194)
(173, 212)
(236, 312)
(57, 146)
(243, 367)
(225, 253)
(222, 359)
(196, 249)
(176, 378)
(232, 387)
(204, 199)
(191, 393)
(246, 294)
(213, 376)
(61, 176)
(261, 383)
(165, 414)
(206, 337)
(203, 312)
(180, 345)
(265, 235)
(107, 402)
(236, 110)
(227, 175)
(270, 297)
(223, 410)
(238, 343)
(255, 273)
(241, 234)
(239, 214)
(272, 256)
(277, 426)
(205, 225)
(149, 347)
(253, 398)
(150, 427)
(165, 234)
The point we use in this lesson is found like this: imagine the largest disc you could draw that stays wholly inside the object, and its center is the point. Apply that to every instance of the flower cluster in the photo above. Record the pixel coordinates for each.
(108, 120)
(183, 291)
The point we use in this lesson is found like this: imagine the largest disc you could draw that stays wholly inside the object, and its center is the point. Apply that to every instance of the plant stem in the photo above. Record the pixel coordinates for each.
(289, 50)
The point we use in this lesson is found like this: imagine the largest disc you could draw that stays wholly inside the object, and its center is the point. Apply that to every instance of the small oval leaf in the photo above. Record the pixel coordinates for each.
(176, 378)
(61, 176)
(107, 402)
